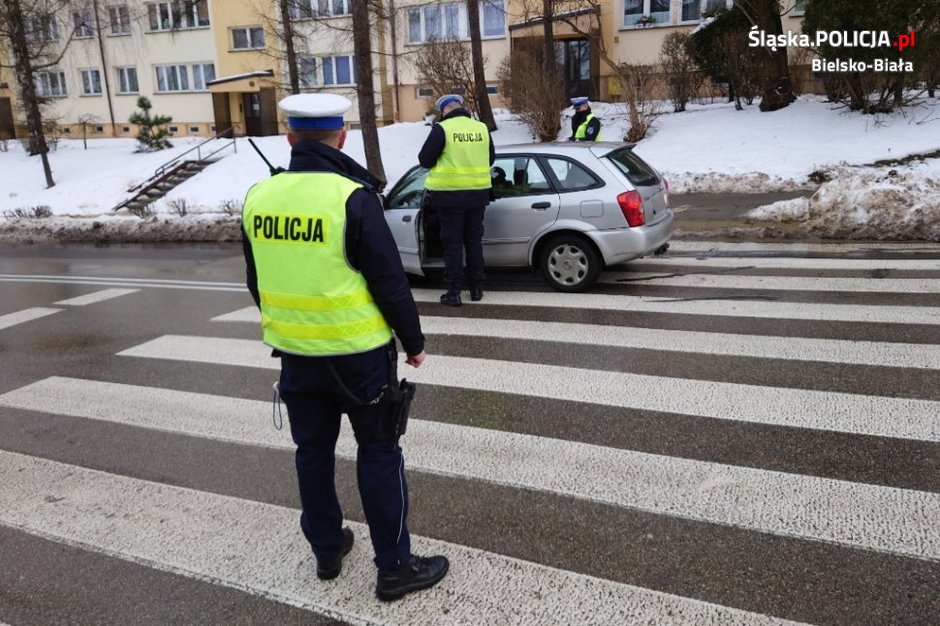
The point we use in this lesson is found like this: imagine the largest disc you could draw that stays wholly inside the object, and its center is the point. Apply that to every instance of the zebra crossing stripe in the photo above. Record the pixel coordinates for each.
(797, 247)
(905, 418)
(883, 354)
(717, 307)
(778, 262)
(204, 536)
(776, 283)
(788, 348)
(720, 307)
(26, 315)
(96, 296)
(873, 517)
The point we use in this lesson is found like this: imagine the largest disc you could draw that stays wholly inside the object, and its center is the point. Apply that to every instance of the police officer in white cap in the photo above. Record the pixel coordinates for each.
(326, 273)
(585, 126)
(459, 152)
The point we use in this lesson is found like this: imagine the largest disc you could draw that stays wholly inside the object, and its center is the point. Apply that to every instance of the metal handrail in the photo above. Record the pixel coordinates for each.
(198, 149)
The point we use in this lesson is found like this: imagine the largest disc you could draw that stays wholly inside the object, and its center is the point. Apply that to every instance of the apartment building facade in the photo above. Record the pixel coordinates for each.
(220, 65)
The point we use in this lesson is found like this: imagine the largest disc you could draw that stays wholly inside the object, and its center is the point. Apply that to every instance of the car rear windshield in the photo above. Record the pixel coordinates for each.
(634, 168)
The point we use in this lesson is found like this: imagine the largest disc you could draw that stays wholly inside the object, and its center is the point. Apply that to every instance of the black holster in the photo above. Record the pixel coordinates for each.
(397, 395)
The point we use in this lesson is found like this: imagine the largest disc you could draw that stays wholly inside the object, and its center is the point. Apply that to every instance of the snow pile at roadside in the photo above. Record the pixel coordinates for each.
(867, 203)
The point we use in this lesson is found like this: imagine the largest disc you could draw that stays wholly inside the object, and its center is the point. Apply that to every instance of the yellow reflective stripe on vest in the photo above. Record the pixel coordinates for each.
(312, 302)
(316, 303)
(347, 330)
(465, 161)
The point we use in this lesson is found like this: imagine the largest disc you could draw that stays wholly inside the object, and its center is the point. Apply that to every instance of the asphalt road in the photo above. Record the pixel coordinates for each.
(731, 433)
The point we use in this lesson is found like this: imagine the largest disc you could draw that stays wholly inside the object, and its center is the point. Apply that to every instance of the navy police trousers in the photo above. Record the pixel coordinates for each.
(462, 231)
(315, 403)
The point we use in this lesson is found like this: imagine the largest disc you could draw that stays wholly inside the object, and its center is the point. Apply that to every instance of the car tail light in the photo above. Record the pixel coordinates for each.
(666, 185)
(631, 204)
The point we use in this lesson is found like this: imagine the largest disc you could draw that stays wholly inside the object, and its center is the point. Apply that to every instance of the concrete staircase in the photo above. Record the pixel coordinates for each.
(177, 170)
(160, 184)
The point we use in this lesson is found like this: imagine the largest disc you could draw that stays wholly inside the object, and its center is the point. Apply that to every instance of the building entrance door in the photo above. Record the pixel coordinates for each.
(251, 106)
(7, 126)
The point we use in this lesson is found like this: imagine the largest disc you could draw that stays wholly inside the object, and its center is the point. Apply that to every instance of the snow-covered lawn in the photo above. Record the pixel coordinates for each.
(709, 148)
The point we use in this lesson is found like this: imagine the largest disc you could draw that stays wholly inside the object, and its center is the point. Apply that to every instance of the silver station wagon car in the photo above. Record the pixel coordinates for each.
(567, 209)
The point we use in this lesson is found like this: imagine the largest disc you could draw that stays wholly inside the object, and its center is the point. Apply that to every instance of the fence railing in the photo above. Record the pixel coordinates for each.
(199, 148)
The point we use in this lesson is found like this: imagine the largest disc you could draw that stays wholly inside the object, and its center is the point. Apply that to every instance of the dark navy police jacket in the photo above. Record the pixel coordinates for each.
(370, 247)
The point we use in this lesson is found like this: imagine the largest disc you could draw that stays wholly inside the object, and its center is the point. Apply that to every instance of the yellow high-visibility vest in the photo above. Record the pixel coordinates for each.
(465, 161)
(312, 302)
(581, 132)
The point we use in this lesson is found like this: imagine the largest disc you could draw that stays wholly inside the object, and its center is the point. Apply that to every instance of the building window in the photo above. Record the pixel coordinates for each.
(127, 80)
(306, 9)
(325, 71)
(448, 21)
(50, 84)
(202, 74)
(492, 90)
(193, 130)
(172, 78)
(41, 28)
(125, 129)
(120, 20)
(91, 83)
(692, 10)
(83, 21)
(247, 38)
(178, 14)
(99, 129)
(645, 12)
(799, 7)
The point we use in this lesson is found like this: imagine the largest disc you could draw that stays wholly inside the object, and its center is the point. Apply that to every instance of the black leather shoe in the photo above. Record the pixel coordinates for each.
(451, 299)
(327, 569)
(419, 573)
(476, 293)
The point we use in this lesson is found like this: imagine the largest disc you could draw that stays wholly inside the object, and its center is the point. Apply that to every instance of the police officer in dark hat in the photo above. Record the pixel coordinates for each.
(459, 153)
(326, 273)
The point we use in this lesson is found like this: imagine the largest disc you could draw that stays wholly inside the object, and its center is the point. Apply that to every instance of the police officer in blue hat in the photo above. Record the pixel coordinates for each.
(326, 273)
(585, 126)
(459, 152)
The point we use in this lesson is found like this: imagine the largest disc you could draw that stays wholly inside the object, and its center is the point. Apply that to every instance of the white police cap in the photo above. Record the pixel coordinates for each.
(579, 101)
(444, 100)
(315, 111)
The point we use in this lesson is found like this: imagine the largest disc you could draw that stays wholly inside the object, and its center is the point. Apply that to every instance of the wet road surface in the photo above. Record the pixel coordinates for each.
(731, 433)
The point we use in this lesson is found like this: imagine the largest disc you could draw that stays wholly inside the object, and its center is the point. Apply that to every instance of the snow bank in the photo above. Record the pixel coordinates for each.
(867, 203)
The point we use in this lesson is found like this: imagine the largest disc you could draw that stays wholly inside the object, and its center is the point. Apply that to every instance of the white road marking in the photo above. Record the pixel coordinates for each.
(96, 296)
(884, 354)
(760, 346)
(718, 307)
(26, 315)
(726, 247)
(872, 517)
(203, 535)
(775, 283)
(125, 282)
(904, 418)
(782, 262)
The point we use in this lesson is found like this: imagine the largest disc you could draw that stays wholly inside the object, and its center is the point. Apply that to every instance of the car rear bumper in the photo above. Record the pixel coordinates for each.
(624, 244)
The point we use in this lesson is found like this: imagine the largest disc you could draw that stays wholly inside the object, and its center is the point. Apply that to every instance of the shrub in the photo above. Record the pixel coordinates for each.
(152, 133)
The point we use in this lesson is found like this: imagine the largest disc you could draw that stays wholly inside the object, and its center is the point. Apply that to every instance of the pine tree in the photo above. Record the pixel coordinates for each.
(153, 133)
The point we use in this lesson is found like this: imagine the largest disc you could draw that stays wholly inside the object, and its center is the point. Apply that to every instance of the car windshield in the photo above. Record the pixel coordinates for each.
(634, 168)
